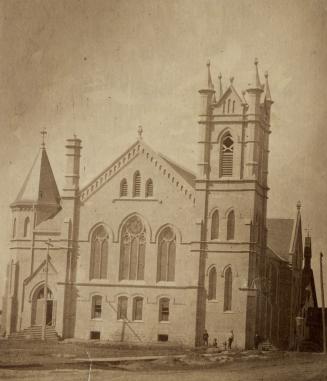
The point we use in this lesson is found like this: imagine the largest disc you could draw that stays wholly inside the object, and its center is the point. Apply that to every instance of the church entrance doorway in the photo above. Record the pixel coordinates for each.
(38, 307)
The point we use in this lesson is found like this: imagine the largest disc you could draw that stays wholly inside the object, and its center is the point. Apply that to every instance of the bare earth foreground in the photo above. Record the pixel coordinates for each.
(41, 361)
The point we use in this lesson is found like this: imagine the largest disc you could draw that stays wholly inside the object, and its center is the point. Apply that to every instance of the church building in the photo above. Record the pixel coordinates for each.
(149, 251)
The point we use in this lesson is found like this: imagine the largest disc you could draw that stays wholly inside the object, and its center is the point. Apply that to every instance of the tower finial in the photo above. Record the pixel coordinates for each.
(210, 83)
(298, 205)
(140, 132)
(220, 85)
(256, 84)
(43, 134)
(231, 80)
(267, 89)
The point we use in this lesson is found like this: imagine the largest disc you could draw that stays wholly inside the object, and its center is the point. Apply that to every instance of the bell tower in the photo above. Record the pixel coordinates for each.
(232, 191)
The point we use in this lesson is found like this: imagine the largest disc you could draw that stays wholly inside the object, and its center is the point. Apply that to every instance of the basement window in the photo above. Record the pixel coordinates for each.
(162, 337)
(95, 335)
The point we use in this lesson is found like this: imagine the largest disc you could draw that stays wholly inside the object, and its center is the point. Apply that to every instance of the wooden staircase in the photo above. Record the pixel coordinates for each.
(267, 346)
(35, 333)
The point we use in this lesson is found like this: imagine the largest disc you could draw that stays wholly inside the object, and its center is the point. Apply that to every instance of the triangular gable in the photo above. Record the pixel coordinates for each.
(51, 270)
(233, 95)
(280, 236)
(167, 168)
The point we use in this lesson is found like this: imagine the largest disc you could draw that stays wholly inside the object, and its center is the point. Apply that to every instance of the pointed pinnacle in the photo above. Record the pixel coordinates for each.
(267, 89)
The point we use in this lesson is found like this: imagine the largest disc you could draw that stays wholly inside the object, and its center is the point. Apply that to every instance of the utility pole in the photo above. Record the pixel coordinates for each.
(323, 306)
(44, 323)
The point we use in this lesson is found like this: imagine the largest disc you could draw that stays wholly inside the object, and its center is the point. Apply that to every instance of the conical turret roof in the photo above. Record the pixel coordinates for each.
(40, 188)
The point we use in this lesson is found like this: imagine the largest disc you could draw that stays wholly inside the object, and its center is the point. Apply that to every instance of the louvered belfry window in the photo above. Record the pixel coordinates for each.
(123, 188)
(137, 184)
(226, 156)
(149, 188)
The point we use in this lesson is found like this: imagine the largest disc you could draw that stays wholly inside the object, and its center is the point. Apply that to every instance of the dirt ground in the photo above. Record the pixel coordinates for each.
(41, 361)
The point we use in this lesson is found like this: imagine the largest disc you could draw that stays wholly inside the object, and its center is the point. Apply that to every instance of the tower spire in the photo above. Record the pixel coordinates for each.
(43, 134)
(210, 83)
(220, 85)
(267, 89)
(255, 83)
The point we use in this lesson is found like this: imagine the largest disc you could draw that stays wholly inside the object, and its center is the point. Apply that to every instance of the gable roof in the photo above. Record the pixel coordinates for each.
(187, 175)
(230, 90)
(174, 173)
(280, 234)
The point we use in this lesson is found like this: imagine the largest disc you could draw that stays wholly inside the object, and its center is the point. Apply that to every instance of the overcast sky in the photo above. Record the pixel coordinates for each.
(100, 68)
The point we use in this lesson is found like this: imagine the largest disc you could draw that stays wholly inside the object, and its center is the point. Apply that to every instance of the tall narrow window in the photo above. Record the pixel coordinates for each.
(212, 284)
(137, 184)
(231, 225)
(166, 255)
(149, 188)
(26, 227)
(132, 250)
(224, 107)
(226, 156)
(14, 228)
(137, 308)
(123, 188)
(96, 307)
(228, 106)
(233, 106)
(164, 309)
(215, 225)
(99, 254)
(122, 308)
(228, 290)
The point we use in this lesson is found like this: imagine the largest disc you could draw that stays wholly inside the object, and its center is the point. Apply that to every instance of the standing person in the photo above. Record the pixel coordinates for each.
(215, 343)
(256, 341)
(205, 338)
(230, 339)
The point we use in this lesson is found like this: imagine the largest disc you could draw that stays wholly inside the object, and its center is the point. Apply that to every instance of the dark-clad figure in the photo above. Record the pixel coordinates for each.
(205, 338)
(256, 341)
(230, 339)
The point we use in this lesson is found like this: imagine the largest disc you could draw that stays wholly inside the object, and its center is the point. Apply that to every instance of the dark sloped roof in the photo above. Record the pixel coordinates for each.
(40, 189)
(187, 175)
(280, 232)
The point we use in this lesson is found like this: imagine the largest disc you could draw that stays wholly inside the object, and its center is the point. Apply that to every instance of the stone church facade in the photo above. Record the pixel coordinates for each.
(149, 251)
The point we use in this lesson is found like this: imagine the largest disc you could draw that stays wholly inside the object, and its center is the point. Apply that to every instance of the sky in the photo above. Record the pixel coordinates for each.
(100, 68)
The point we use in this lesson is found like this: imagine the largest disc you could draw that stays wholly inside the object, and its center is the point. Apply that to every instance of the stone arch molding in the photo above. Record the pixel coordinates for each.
(106, 226)
(144, 220)
(234, 269)
(173, 227)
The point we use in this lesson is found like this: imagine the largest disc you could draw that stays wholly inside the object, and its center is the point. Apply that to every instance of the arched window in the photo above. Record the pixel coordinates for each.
(233, 106)
(14, 228)
(149, 188)
(228, 290)
(122, 307)
(96, 307)
(26, 226)
(166, 255)
(231, 225)
(164, 309)
(132, 250)
(228, 106)
(123, 188)
(137, 308)
(224, 107)
(137, 184)
(226, 155)
(212, 284)
(99, 254)
(215, 225)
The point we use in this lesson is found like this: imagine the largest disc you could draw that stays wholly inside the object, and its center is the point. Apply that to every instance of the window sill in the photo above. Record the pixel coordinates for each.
(96, 319)
(229, 312)
(213, 301)
(164, 322)
(135, 199)
(137, 321)
(128, 281)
